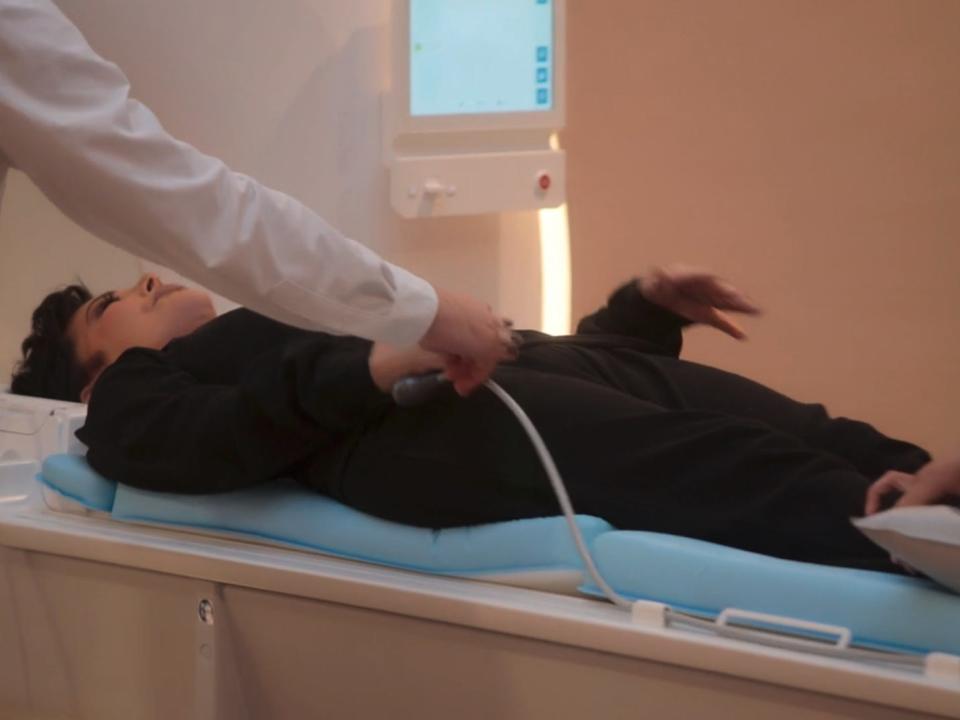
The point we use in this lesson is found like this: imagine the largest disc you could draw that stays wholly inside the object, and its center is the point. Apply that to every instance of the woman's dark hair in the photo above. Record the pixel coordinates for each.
(49, 367)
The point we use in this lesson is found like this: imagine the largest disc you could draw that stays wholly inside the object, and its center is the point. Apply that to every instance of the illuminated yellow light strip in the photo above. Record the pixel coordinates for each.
(554, 271)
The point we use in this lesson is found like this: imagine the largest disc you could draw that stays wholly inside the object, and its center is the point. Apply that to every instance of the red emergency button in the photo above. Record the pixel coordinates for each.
(543, 180)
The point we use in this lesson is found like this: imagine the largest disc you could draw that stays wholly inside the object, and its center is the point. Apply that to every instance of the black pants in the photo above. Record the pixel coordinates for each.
(646, 442)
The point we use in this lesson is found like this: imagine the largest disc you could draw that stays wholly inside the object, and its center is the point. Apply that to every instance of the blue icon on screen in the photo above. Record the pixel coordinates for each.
(541, 53)
(542, 2)
(541, 75)
(542, 96)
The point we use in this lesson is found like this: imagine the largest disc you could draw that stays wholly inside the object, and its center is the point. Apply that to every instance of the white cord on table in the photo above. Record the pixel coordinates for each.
(561, 492)
(756, 636)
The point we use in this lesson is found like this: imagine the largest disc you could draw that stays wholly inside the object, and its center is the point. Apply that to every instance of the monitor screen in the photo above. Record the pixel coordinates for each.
(471, 57)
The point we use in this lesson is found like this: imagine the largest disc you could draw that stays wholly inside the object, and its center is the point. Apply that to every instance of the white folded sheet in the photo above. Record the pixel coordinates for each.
(926, 538)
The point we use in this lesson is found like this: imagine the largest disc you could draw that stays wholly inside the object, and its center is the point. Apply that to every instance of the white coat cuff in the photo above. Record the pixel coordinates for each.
(414, 309)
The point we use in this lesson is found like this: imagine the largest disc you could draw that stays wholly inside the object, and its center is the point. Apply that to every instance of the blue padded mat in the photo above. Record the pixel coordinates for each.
(286, 513)
(72, 477)
(880, 609)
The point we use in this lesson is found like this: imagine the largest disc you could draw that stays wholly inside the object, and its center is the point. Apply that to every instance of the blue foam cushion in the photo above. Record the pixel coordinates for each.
(880, 609)
(70, 476)
(287, 513)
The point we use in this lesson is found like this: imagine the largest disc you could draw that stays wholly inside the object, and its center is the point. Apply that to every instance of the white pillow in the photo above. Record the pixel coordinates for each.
(926, 538)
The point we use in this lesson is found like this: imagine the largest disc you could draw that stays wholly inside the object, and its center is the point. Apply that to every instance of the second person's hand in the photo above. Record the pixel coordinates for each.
(937, 481)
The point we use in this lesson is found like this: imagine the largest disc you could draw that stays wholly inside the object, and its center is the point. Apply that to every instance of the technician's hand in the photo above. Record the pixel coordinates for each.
(471, 339)
(698, 295)
(934, 482)
(389, 363)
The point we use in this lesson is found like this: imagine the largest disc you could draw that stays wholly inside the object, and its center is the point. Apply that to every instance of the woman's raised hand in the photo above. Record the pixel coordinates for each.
(698, 295)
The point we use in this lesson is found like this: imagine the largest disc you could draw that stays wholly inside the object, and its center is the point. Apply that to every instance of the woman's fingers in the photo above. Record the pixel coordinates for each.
(724, 323)
(712, 290)
(699, 296)
(722, 295)
(735, 300)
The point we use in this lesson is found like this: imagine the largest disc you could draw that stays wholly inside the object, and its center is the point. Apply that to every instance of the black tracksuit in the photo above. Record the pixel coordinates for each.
(641, 438)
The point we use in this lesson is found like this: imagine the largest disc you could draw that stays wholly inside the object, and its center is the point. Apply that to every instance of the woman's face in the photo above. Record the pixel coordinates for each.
(150, 314)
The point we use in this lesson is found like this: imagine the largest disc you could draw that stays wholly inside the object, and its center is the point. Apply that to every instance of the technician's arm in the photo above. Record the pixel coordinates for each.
(67, 121)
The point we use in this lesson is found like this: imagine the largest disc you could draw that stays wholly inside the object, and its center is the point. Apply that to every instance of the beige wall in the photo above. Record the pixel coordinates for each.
(807, 150)
(41, 250)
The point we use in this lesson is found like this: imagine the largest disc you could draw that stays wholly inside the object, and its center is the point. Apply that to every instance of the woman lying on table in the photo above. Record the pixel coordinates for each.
(183, 401)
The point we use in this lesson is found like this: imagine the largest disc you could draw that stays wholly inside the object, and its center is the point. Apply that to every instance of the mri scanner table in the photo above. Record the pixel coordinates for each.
(103, 619)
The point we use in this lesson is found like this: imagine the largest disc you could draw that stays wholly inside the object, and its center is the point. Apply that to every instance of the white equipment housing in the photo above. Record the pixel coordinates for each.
(459, 137)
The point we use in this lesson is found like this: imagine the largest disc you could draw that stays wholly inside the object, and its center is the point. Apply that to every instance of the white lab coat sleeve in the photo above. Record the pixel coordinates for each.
(67, 121)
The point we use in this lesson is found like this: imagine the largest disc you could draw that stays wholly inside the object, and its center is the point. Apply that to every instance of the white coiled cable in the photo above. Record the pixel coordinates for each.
(418, 389)
(669, 614)
(560, 490)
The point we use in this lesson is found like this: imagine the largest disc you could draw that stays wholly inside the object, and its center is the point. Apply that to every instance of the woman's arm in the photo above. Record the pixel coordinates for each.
(656, 307)
(629, 313)
(153, 425)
